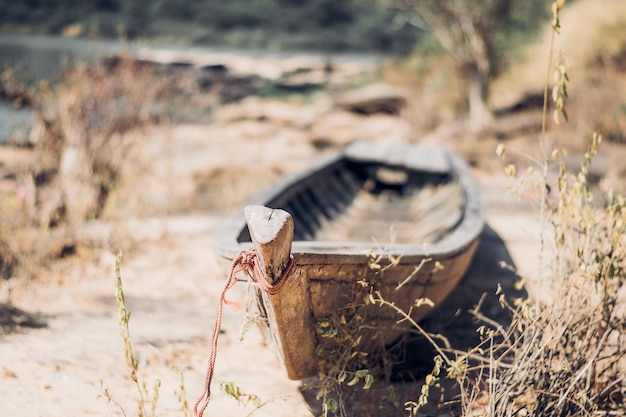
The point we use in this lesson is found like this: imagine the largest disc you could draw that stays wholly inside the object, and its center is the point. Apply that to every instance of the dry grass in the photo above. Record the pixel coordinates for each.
(564, 354)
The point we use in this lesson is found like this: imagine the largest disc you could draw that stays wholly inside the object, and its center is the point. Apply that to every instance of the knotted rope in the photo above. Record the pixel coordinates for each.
(245, 261)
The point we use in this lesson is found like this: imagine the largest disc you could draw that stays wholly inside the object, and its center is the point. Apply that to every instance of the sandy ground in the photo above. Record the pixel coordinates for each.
(171, 283)
(172, 279)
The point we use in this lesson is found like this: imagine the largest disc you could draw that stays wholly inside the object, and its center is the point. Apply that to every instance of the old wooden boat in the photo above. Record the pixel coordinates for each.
(400, 222)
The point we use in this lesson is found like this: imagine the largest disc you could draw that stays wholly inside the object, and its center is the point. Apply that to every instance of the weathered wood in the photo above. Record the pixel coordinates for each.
(289, 316)
(271, 231)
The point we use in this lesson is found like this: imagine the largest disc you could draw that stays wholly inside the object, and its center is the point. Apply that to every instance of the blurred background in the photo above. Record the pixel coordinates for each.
(138, 125)
(362, 25)
(91, 91)
(95, 95)
(371, 29)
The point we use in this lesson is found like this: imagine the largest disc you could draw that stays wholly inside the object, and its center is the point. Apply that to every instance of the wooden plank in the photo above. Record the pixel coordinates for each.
(292, 326)
(271, 231)
(419, 158)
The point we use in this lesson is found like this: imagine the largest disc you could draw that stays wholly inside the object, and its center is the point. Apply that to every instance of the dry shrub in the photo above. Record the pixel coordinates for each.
(565, 355)
(95, 133)
(564, 352)
(89, 129)
(83, 142)
(562, 355)
(14, 90)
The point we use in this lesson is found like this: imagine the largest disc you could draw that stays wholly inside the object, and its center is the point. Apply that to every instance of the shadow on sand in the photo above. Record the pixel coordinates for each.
(13, 319)
(491, 268)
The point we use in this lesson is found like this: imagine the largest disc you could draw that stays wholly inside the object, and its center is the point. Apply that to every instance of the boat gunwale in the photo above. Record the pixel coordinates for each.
(312, 251)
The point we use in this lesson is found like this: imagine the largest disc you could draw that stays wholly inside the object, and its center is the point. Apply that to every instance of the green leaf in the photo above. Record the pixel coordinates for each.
(325, 329)
(369, 380)
(361, 373)
(353, 381)
(331, 405)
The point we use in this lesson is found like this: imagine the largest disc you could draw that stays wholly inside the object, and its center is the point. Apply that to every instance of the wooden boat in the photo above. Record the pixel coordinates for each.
(401, 222)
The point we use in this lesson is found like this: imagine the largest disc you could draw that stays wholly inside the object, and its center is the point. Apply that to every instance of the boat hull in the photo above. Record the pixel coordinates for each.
(334, 281)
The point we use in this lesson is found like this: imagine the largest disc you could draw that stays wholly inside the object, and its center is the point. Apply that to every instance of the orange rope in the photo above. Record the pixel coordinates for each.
(245, 261)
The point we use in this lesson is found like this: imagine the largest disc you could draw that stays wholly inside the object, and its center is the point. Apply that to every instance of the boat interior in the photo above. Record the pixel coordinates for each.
(352, 201)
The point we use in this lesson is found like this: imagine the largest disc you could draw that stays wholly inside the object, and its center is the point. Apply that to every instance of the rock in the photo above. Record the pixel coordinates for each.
(304, 80)
(372, 99)
(12, 318)
(340, 128)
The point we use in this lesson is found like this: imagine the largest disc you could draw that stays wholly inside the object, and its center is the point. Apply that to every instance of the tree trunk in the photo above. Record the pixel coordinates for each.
(80, 196)
(478, 91)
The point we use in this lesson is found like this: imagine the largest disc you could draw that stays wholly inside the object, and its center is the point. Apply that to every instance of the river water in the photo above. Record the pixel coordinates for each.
(42, 58)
